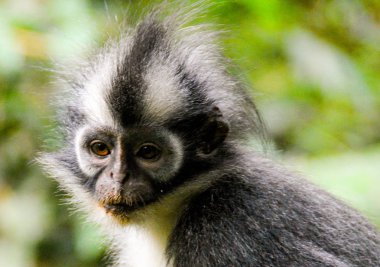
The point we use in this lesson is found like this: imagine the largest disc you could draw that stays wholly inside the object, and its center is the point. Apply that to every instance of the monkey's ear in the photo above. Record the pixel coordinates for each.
(214, 131)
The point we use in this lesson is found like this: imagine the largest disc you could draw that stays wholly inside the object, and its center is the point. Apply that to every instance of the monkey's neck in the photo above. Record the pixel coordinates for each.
(143, 241)
(144, 245)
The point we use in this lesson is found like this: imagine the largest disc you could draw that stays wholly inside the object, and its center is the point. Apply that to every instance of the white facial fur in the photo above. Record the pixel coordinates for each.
(85, 164)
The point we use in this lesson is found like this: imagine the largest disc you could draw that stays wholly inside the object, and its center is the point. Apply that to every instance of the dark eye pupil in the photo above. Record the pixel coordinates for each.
(100, 149)
(148, 152)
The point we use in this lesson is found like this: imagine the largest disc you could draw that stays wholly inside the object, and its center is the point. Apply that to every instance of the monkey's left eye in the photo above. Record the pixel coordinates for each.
(99, 148)
(149, 152)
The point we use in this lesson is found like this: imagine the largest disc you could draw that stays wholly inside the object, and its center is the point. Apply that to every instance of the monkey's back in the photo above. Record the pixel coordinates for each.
(268, 217)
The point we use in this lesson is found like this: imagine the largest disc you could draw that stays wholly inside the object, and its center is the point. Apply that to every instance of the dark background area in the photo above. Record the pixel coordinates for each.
(315, 71)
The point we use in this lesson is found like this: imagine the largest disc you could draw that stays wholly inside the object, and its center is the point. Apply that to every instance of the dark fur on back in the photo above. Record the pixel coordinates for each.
(235, 207)
(266, 217)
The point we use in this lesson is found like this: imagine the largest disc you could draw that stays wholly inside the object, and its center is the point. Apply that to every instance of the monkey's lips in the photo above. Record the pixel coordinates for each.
(119, 208)
(122, 204)
(123, 208)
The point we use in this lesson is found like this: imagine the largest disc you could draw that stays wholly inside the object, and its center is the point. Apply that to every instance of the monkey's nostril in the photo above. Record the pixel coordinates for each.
(111, 174)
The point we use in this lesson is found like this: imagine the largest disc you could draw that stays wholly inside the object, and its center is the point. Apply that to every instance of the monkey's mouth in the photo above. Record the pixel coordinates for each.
(121, 208)
(123, 204)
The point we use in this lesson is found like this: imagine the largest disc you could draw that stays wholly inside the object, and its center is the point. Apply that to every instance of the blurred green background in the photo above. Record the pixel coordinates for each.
(315, 66)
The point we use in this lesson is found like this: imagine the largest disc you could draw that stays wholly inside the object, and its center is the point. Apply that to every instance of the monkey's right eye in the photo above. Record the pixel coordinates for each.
(99, 148)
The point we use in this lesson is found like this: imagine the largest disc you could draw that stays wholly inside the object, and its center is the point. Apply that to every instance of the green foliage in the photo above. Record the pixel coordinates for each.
(315, 69)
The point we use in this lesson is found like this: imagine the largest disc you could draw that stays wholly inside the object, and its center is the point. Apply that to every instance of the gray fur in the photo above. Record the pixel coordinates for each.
(209, 200)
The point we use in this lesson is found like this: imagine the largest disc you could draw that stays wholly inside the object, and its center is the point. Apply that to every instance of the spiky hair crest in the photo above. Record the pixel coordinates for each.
(162, 69)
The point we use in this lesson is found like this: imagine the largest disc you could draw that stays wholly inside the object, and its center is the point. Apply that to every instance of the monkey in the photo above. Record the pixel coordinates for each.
(154, 135)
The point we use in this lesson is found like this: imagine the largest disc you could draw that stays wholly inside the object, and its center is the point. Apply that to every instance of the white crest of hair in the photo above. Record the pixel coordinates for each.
(90, 81)
(162, 97)
(202, 58)
(94, 93)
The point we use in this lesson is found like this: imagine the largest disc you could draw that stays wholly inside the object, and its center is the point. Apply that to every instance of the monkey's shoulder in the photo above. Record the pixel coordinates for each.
(247, 221)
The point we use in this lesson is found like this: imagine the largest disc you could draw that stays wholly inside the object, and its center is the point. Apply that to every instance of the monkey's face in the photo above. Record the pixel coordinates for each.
(126, 170)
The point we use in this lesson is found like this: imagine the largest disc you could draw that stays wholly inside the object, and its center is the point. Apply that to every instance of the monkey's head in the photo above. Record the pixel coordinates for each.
(148, 114)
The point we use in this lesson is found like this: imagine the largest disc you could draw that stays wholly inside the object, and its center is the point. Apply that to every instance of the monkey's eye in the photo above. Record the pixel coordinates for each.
(149, 152)
(99, 148)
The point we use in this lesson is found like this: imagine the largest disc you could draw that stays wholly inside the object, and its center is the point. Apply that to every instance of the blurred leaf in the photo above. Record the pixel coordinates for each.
(11, 60)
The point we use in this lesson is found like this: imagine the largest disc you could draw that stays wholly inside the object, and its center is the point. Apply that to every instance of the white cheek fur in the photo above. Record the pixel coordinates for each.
(178, 151)
(82, 156)
(164, 171)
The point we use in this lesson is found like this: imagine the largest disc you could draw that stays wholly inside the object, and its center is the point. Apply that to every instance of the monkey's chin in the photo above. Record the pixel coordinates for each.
(118, 212)
(121, 212)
